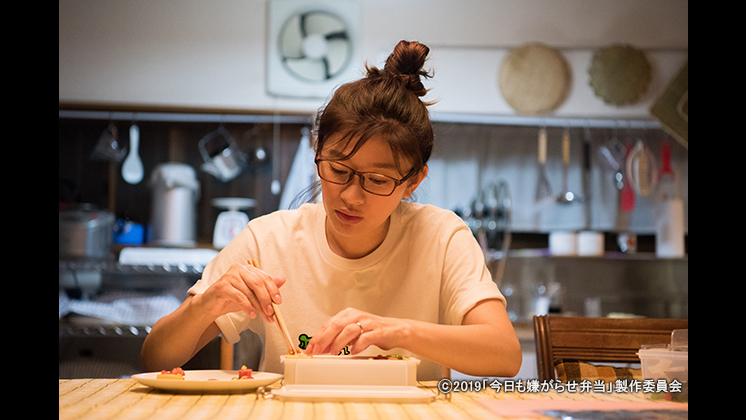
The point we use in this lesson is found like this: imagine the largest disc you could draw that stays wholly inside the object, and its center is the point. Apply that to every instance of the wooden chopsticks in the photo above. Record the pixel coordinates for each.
(278, 318)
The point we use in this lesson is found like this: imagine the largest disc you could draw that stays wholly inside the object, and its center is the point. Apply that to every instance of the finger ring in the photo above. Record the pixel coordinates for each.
(361, 328)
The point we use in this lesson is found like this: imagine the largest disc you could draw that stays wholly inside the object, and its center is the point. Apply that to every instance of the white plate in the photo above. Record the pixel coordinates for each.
(354, 393)
(199, 381)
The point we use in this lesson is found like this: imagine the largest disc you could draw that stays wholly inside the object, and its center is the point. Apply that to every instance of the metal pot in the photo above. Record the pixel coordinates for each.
(85, 232)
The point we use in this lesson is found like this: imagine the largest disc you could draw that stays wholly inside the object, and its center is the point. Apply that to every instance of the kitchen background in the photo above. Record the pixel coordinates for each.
(179, 70)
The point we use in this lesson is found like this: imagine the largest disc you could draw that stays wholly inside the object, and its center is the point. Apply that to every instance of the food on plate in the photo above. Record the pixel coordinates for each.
(388, 357)
(173, 374)
(244, 373)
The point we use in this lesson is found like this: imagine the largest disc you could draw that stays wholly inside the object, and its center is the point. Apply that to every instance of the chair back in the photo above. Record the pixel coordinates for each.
(596, 339)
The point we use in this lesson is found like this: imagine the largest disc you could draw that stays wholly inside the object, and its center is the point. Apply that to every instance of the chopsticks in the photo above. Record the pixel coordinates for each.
(278, 318)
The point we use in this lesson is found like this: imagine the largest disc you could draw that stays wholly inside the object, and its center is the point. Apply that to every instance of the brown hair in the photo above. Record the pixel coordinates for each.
(386, 102)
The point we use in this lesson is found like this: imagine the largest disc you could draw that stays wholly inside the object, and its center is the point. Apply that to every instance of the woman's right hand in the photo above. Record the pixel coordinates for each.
(243, 287)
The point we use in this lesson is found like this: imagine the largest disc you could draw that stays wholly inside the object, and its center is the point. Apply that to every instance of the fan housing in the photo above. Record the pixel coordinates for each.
(312, 48)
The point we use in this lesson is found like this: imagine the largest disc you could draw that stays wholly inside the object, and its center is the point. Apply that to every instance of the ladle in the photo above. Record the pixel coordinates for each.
(132, 170)
(566, 196)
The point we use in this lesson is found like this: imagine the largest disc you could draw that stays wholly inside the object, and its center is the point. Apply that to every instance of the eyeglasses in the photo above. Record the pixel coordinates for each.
(377, 184)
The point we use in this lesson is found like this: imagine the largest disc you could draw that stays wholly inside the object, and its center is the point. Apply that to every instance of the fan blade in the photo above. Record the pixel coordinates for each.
(326, 68)
(336, 35)
(307, 69)
(303, 31)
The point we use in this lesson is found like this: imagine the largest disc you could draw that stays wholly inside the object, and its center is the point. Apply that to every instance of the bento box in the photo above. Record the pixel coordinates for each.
(350, 370)
(662, 363)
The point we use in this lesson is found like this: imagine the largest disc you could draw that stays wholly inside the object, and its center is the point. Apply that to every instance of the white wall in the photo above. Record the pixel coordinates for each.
(210, 54)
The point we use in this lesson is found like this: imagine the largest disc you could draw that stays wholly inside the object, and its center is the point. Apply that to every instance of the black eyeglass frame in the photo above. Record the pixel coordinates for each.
(397, 182)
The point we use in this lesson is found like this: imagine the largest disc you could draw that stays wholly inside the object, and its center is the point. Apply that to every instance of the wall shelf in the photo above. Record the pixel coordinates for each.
(229, 117)
(544, 121)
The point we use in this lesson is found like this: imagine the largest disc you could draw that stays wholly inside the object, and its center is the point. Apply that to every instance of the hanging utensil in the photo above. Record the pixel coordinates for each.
(612, 156)
(275, 186)
(259, 154)
(544, 194)
(503, 219)
(132, 170)
(107, 147)
(222, 158)
(566, 196)
(666, 187)
(642, 171)
(627, 194)
(587, 178)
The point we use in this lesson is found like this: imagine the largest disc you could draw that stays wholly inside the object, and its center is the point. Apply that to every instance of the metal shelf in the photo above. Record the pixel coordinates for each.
(493, 119)
(184, 117)
(100, 329)
(115, 268)
(544, 121)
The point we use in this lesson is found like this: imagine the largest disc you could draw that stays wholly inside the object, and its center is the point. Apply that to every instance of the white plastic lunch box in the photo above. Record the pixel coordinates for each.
(350, 370)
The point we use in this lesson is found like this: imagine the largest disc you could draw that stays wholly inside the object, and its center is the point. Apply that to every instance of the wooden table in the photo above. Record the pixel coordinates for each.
(126, 399)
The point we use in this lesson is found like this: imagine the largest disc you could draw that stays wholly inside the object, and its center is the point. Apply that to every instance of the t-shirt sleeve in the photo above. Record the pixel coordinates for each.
(466, 280)
(238, 251)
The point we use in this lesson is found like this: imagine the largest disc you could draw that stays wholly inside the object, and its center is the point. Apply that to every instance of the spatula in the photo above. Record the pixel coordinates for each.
(666, 177)
(627, 194)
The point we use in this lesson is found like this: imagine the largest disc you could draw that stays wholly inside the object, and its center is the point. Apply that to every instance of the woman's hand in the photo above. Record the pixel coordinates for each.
(357, 329)
(485, 344)
(178, 336)
(243, 287)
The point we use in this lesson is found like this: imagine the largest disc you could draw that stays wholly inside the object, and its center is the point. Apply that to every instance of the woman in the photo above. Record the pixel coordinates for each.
(363, 271)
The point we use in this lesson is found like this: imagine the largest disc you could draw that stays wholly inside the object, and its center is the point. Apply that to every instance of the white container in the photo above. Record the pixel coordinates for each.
(659, 362)
(563, 243)
(669, 228)
(173, 219)
(591, 244)
(350, 370)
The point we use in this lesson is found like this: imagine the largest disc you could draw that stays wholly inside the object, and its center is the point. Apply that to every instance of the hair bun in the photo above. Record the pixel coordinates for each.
(405, 63)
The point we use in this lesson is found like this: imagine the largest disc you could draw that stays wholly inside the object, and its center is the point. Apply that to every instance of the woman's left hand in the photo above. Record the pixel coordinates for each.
(357, 329)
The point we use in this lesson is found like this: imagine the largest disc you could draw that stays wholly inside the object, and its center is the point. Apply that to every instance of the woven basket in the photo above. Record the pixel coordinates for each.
(534, 79)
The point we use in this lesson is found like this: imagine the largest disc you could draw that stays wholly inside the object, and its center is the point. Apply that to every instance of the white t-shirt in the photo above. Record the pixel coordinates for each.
(428, 268)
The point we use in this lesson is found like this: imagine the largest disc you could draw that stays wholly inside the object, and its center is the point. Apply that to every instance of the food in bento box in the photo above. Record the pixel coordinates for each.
(175, 373)
(388, 357)
(244, 373)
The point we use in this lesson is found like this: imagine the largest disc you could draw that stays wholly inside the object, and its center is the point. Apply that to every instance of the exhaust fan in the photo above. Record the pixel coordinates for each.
(312, 47)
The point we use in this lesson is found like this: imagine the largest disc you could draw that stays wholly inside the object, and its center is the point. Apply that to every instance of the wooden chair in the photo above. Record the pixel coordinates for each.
(596, 339)
(226, 355)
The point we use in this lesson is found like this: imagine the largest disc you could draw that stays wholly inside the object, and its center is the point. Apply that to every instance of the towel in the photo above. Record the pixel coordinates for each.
(302, 173)
(122, 307)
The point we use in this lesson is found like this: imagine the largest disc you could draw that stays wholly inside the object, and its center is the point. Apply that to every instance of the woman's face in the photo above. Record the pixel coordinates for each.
(357, 221)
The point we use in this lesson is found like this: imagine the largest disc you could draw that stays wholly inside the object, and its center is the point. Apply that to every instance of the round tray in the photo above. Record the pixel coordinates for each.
(534, 79)
(619, 74)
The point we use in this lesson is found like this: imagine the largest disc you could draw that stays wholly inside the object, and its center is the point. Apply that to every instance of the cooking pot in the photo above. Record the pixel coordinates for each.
(85, 232)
